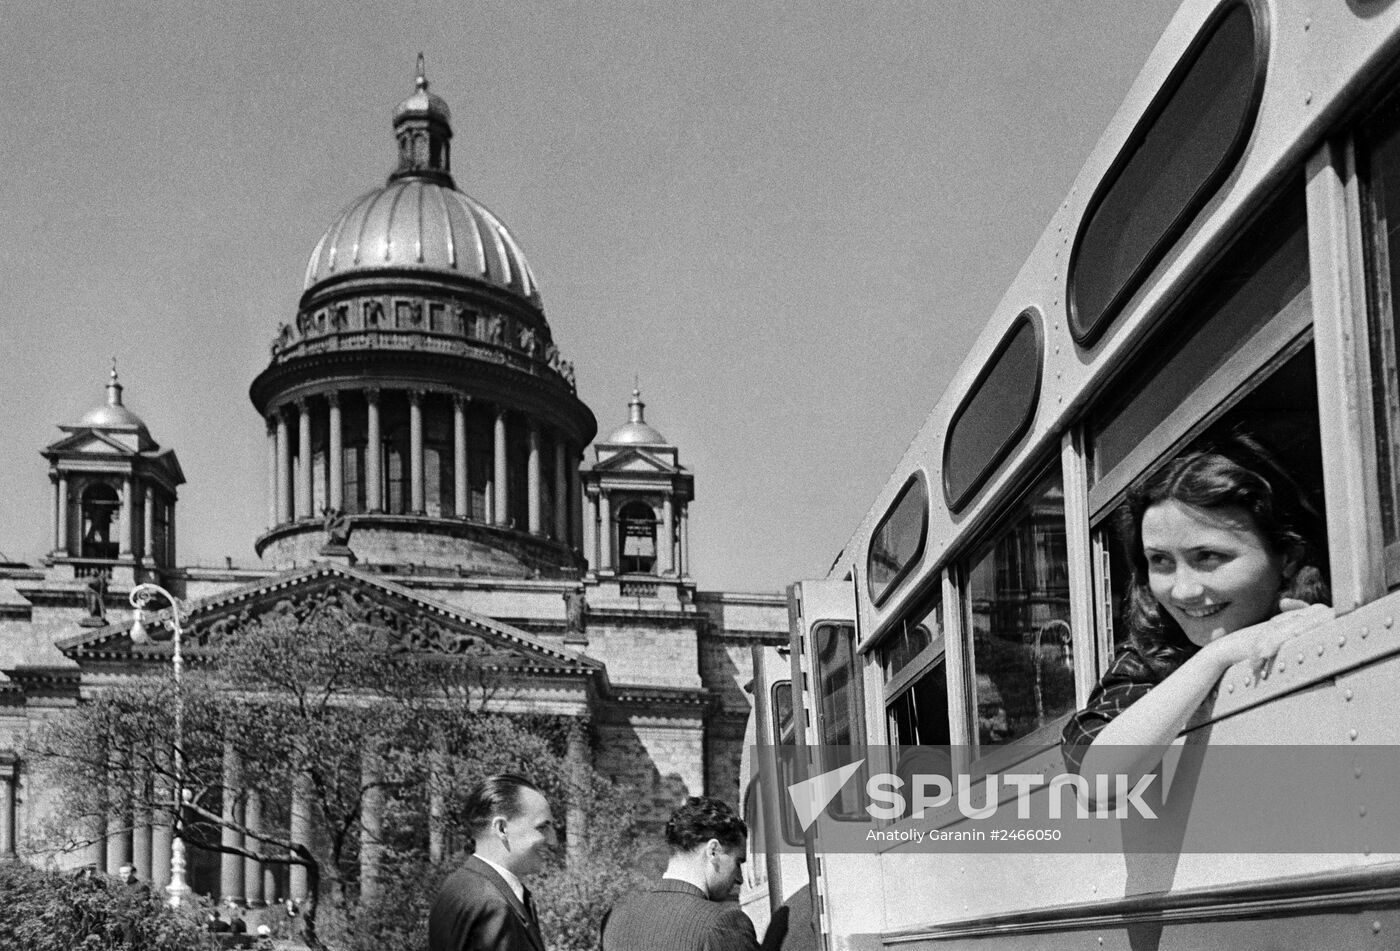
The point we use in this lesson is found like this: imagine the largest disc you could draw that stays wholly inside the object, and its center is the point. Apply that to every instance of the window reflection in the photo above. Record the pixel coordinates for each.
(1018, 599)
(898, 540)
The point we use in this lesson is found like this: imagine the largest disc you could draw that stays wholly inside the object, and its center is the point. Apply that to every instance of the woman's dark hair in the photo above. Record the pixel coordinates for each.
(702, 819)
(1234, 471)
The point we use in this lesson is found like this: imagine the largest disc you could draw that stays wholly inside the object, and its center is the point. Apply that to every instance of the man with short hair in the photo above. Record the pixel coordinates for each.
(484, 905)
(687, 910)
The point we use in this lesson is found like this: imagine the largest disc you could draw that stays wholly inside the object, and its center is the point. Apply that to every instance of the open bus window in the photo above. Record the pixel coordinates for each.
(1378, 156)
(1022, 675)
(1280, 411)
(1234, 356)
(785, 735)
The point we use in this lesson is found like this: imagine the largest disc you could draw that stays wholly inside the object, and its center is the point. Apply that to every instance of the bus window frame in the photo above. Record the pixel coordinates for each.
(891, 586)
(962, 707)
(859, 738)
(1251, 361)
(788, 829)
(920, 664)
(1086, 337)
(1029, 315)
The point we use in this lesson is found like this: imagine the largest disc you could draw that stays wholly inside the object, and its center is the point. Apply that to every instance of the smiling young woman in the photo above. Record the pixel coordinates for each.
(1227, 563)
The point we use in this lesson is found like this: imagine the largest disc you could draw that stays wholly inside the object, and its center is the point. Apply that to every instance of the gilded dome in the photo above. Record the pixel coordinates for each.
(114, 415)
(636, 431)
(419, 220)
(422, 224)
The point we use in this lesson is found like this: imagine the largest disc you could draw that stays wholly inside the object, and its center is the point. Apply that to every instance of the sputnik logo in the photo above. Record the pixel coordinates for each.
(811, 796)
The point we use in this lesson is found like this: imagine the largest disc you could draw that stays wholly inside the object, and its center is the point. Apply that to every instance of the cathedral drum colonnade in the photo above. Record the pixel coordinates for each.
(418, 390)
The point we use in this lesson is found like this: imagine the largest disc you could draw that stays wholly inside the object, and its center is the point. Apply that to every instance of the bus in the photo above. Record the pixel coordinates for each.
(1228, 258)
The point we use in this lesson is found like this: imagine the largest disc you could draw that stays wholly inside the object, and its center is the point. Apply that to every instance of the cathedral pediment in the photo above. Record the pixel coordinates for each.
(91, 442)
(419, 624)
(637, 460)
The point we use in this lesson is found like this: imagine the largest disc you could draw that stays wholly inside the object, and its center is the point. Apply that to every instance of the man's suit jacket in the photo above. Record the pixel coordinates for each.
(476, 910)
(677, 916)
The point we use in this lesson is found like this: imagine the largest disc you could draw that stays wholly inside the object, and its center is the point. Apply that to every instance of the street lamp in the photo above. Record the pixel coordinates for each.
(141, 595)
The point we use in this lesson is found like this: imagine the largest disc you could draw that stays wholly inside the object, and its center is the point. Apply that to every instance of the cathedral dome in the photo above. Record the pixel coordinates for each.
(423, 224)
(636, 431)
(419, 220)
(114, 415)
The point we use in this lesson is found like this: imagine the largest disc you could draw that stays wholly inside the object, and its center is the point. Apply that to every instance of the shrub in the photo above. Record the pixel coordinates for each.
(47, 910)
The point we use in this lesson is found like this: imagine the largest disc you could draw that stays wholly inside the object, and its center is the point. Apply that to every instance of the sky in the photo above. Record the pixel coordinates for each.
(785, 221)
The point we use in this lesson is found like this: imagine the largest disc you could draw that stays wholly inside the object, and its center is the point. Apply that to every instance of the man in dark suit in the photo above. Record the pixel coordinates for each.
(688, 909)
(484, 906)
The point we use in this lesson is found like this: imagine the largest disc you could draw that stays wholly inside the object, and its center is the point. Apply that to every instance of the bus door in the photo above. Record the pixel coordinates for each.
(776, 869)
(826, 678)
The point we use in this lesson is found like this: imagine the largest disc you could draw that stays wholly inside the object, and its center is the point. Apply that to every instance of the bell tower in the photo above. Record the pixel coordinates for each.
(636, 523)
(114, 495)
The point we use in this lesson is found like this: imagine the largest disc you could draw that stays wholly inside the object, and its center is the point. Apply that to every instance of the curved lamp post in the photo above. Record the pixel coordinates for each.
(141, 595)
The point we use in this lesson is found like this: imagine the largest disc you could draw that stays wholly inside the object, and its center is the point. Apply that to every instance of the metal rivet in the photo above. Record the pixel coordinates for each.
(1300, 659)
(1352, 734)
(1361, 811)
(1348, 693)
(1364, 632)
(1389, 622)
(1357, 772)
(1307, 24)
(1249, 681)
(1341, 640)
(1320, 649)
(1230, 687)
(1375, 927)
(1307, 99)
(1100, 940)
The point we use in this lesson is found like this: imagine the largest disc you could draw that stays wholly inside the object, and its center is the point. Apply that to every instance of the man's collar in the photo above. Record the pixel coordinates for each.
(516, 885)
(669, 884)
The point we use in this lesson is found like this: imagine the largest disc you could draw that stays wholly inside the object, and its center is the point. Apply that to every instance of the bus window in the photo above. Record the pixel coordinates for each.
(1251, 302)
(898, 540)
(1238, 357)
(1022, 675)
(784, 733)
(838, 686)
(1180, 153)
(1378, 157)
(838, 694)
(916, 687)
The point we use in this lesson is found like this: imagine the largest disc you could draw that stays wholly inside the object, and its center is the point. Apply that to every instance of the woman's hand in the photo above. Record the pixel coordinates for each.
(1260, 643)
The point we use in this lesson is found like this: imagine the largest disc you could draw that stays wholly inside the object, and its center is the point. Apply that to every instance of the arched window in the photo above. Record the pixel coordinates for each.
(100, 521)
(636, 539)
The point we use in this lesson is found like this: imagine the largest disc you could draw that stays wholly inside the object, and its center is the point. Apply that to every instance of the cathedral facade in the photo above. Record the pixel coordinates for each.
(427, 452)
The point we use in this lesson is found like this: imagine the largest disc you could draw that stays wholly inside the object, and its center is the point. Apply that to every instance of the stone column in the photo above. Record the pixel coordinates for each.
(162, 834)
(461, 501)
(7, 812)
(148, 526)
(576, 759)
(284, 469)
(128, 517)
(371, 826)
(533, 480)
(170, 535)
(63, 513)
(335, 492)
(300, 829)
(590, 533)
(230, 864)
(415, 452)
(252, 868)
(119, 828)
(605, 533)
(271, 472)
(666, 544)
(142, 846)
(502, 494)
(306, 488)
(374, 463)
(684, 571)
(60, 541)
(96, 852)
(576, 501)
(561, 492)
